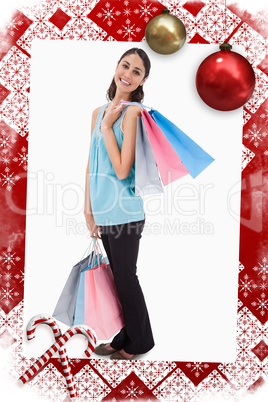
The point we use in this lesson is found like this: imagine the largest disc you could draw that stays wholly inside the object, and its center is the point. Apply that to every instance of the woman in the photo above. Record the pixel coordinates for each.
(111, 208)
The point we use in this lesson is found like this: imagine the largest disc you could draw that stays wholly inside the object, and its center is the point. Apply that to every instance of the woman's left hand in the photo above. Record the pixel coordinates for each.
(112, 113)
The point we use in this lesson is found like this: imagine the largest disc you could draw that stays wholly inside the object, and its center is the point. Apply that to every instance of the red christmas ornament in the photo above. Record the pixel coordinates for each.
(225, 80)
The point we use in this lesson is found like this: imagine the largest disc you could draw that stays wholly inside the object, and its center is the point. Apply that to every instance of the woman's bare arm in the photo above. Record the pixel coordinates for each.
(122, 161)
(93, 228)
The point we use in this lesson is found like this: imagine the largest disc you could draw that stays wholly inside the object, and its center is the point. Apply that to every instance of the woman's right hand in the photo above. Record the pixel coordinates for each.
(94, 229)
(112, 113)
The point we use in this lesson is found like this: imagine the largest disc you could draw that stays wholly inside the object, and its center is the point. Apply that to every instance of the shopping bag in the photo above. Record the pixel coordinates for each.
(79, 310)
(168, 162)
(65, 307)
(190, 154)
(194, 158)
(147, 178)
(100, 306)
(103, 310)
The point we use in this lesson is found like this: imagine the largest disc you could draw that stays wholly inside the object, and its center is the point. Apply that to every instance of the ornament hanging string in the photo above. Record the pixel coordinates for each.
(225, 12)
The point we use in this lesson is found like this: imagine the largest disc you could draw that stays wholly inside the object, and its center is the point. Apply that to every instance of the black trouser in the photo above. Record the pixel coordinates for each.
(121, 243)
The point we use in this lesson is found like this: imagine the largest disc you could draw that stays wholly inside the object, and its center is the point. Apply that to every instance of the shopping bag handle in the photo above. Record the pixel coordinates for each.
(123, 102)
(97, 250)
(90, 248)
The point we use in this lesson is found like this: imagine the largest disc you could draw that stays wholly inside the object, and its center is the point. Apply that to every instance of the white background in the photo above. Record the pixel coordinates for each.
(185, 276)
(24, 393)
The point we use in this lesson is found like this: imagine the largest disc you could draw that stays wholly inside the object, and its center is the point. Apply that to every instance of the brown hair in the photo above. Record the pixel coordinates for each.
(138, 94)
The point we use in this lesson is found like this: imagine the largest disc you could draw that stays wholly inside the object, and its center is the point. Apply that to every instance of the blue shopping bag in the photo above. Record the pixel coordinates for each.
(194, 158)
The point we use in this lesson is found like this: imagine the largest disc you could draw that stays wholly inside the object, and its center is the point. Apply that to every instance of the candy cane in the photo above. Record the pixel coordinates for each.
(42, 319)
(45, 319)
(39, 363)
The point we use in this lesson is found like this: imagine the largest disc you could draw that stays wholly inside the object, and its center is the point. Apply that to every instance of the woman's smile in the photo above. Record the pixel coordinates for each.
(124, 82)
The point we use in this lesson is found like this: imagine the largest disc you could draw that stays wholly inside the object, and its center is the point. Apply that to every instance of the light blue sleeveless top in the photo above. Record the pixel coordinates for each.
(113, 201)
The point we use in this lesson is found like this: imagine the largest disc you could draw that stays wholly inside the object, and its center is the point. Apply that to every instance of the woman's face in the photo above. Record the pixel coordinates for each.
(129, 73)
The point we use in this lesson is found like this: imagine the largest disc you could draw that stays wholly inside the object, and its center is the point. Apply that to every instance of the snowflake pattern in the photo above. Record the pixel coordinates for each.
(211, 23)
(252, 41)
(255, 135)
(8, 179)
(260, 92)
(9, 278)
(22, 158)
(97, 378)
(13, 26)
(15, 109)
(246, 285)
(246, 116)
(264, 116)
(245, 369)
(9, 258)
(7, 294)
(112, 371)
(253, 288)
(109, 14)
(125, 21)
(129, 31)
(247, 156)
(90, 386)
(132, 391)
(197, 367)
(19, 276)
(174, 386)
(15, 71)
(261, 304)
(146, 10)
(262, 269)
(7, 139)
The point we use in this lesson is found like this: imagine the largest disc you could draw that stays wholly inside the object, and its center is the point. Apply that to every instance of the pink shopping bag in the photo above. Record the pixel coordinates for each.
(103, 311)
(169, 164)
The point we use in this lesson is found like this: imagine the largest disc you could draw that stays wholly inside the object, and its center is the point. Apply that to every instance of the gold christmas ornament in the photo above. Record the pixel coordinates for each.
(165, 33)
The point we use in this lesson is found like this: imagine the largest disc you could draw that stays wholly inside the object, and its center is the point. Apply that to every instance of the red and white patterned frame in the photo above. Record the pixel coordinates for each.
(125, 20)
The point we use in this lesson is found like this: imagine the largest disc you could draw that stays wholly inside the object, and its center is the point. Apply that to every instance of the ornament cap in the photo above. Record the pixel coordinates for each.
(225, 46)
(165, 11)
